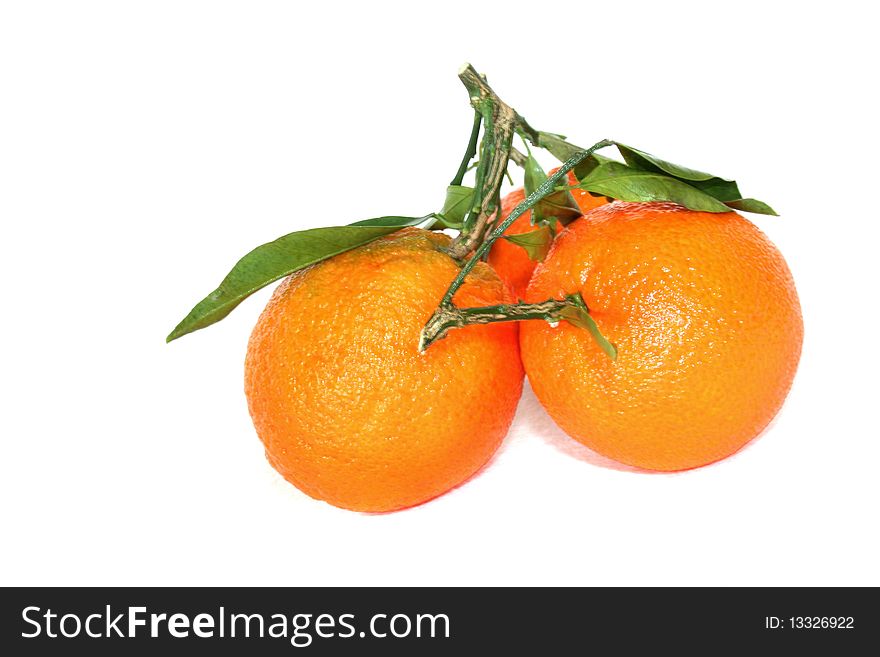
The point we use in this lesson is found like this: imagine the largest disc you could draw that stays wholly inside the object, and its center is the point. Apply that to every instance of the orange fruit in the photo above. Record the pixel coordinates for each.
(704, 312)
(348, 409)
(511, 261)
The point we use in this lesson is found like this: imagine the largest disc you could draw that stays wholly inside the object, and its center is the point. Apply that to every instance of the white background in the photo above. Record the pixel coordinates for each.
(145, 146)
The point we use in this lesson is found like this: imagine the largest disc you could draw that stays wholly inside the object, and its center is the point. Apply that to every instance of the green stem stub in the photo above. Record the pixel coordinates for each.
(572, 309)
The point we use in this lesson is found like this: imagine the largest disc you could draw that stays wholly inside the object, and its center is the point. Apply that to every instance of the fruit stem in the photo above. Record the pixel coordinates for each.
(499, 124)
(453, 317)
(471, 150)
(448, 316)
(572, 309)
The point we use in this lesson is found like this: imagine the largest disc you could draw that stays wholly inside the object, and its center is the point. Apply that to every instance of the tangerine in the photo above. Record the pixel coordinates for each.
(348, 409)
(706, 318)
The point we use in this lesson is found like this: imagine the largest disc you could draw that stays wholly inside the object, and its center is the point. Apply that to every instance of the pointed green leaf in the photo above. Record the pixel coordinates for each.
(458, 202)
(642, 160)
(626, 183)
(726, 191)
(270, 262)
(751, 205)
(536, 242)
(721, 188)
(578, 313)
(559, 206)
(557, 145)
(533, 174)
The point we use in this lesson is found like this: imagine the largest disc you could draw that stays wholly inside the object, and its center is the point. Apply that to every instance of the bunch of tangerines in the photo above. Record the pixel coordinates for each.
(656, 325)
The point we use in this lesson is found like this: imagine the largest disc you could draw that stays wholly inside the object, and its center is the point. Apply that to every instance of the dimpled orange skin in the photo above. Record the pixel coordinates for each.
(347, 408)
(704, 312)
(511, 261)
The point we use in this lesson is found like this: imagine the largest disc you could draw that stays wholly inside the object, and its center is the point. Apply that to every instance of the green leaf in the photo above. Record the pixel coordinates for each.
(726, 191)
(626, 183)
(642, 160)
(577, 313)
(562, 150)
(533, 174)
(721, 188)
(458, 202)
(536, 242)
(751, 205)
(559, 206)
(557, 145)
(270, 262)
(586, 167)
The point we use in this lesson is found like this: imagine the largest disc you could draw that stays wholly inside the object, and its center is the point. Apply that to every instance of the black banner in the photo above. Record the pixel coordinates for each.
(335, 621)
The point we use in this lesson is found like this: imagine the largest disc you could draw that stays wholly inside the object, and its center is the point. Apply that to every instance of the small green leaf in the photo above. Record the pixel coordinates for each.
(536, 242)
(533, 174)
(626, 183)
(751, 205)
(559, 206)
(458, 202)
(578, 313)
(270, 262)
